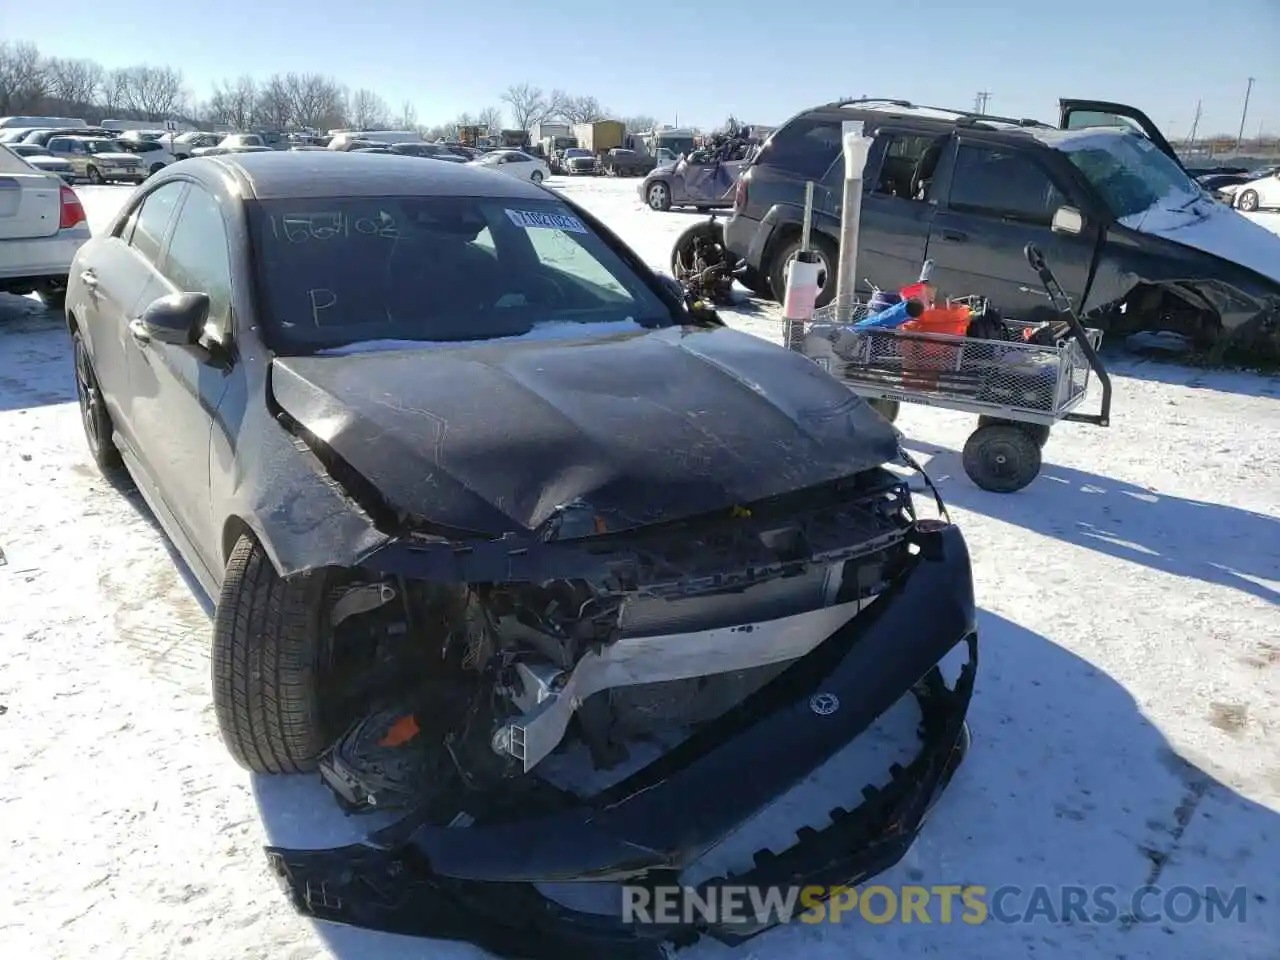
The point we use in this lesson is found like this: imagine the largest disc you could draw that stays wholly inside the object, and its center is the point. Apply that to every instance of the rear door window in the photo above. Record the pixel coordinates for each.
(1003, 183)
(152, 220)
(805, 147)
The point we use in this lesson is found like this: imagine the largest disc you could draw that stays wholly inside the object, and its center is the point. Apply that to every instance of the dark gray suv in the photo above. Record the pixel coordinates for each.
(1133, 239)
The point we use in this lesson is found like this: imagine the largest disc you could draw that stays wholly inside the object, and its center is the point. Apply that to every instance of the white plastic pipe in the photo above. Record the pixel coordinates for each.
(856, 149)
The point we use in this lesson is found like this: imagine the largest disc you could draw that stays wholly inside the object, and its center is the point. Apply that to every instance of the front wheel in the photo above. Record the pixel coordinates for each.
(269, 664)
(95, 175)
(536, 176)
(658, 196)
(1248, 201)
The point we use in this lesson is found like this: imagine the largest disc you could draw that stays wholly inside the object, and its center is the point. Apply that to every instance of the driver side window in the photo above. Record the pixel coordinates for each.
(151, 220)
(198, 260)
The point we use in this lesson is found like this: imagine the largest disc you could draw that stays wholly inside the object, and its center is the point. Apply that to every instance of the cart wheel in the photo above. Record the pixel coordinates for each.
(886, 408)
(1039, 432)
(1001, 457)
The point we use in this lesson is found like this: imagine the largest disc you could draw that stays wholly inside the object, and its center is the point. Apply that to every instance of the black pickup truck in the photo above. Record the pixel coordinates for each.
(1135, 242)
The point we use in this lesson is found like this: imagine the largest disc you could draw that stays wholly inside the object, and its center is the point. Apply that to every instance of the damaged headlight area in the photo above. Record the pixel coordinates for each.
(583, 707)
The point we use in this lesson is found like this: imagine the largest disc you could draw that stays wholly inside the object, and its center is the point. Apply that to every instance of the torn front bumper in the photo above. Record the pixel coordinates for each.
(477, 883)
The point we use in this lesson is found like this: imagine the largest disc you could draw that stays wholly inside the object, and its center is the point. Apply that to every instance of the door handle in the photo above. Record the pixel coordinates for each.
(89, 278)
(955, 235)
(139, 331)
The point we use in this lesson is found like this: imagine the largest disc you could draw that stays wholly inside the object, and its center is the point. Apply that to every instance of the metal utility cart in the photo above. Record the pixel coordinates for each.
(1020, 384)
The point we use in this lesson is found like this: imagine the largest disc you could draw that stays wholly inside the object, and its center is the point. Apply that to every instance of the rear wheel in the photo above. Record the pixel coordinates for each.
(94, 175)
(888, 409)
(269, 660)
(787, 252)
(53, 294)
(1248, 201)
(93, 409)
(1001, 458)
(156, 168)
(1039, 432)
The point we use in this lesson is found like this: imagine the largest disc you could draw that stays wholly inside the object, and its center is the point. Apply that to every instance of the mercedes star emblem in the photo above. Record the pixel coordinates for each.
(824, 704)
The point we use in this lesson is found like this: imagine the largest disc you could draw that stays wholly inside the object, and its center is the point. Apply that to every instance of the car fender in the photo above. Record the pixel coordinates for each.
(284, 494)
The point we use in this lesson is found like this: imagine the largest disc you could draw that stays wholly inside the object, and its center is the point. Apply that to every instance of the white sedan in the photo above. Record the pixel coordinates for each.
(514, 163)
(42, 225)
(1259, 194)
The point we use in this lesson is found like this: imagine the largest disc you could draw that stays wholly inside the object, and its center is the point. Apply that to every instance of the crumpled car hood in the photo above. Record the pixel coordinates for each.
(1215, 229)
(644, 427)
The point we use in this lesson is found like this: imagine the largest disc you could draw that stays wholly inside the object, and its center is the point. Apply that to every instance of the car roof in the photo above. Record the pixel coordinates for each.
(928, 118)
(285, 174)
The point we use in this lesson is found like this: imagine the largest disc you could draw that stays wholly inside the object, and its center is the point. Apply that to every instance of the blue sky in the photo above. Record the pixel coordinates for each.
(755, 58)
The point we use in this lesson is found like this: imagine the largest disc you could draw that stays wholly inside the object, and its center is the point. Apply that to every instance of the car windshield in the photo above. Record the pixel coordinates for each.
(349, 271)
(103, 146)
(577, 152)
(1130, 173)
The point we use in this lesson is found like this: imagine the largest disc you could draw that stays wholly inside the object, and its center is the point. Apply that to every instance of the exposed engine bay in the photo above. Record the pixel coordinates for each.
(449, 691)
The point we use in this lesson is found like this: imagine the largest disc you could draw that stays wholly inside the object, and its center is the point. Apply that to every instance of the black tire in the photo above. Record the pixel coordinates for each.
(536, 176)
(756, 282)
(1001, 458)
(156, 168)
(709, 229)
(889, 409)
(94, 175)
(267, 664)
(1247, 201)
(93, 410)
(786, 252)
(53, 294)
(1039, 432)
(658, 196)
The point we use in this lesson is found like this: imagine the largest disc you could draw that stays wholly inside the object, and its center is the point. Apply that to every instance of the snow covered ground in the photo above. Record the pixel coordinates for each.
(1125, 724)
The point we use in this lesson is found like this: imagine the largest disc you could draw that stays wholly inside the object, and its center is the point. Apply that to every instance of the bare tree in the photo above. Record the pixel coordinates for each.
(274, 106)
(408, 116)
(233, 104)
(557, 100)
(464, 120)
(527, 103)
(23, 82)
(641, 123)
(150, 93)
(490, 118)
(582, 110)
(315, 100)
(368, 111)
(74, 82)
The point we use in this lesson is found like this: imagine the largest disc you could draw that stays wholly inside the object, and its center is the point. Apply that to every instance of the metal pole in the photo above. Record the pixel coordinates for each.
(856, 148)
(802, 282)
(1244, 113)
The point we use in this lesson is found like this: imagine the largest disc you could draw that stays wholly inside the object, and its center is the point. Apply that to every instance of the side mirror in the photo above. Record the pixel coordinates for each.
(177, 319)
(1068, 220)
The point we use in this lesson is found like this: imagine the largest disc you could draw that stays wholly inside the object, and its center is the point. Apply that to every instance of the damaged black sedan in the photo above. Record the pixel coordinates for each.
(507, 536)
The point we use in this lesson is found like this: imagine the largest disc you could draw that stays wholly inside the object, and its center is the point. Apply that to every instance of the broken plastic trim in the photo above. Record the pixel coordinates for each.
(476, 883)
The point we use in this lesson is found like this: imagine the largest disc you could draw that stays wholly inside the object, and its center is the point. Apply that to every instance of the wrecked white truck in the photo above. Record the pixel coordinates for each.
(508, 537)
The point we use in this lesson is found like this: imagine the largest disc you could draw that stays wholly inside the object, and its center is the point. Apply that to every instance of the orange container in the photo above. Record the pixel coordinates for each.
(921, 358)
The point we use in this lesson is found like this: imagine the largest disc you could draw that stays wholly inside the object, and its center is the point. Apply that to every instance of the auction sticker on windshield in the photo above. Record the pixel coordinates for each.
(546, 221)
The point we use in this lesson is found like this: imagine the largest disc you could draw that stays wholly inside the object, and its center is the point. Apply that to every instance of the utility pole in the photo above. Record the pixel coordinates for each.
(980, 101)
(1244, 113)
(1195, 124)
